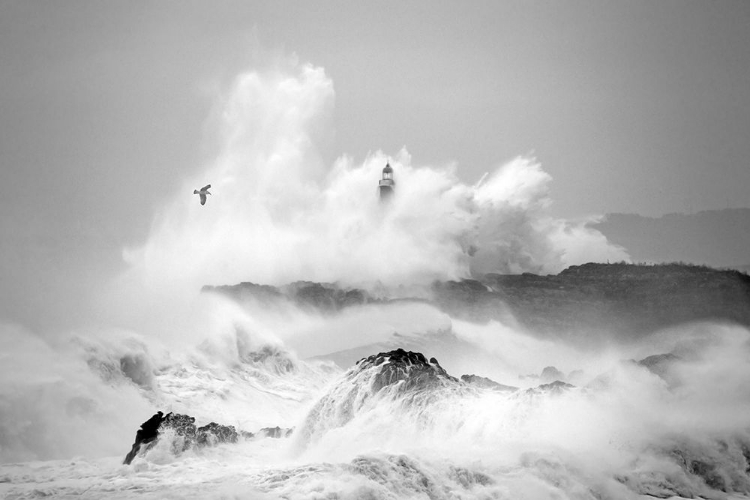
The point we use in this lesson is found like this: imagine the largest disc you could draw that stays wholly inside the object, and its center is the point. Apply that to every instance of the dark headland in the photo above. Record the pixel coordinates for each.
(623, 299)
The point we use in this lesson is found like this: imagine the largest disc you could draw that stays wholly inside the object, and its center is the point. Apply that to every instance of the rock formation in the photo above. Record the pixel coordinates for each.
(148, 433)
(580, 303)
(189, 436)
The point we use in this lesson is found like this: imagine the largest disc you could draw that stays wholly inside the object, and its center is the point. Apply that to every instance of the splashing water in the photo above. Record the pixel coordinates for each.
(278, 215)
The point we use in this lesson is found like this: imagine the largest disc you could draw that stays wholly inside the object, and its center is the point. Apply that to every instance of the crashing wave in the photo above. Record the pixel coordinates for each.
(403, 377)
(182, 433)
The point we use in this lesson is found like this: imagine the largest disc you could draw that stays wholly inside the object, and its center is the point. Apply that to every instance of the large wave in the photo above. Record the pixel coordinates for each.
(277, 215)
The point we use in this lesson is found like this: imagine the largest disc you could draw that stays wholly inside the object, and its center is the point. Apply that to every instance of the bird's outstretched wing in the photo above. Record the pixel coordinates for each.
(206, 187)
(203, 199)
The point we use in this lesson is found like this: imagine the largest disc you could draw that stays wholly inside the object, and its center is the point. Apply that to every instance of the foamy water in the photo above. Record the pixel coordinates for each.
(70, 404)
(615, 433)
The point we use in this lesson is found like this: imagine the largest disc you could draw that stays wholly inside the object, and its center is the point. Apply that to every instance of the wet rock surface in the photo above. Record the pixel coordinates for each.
(148, 433)
(411, 368)
(580, 302)
(321, 297)
(191, 436)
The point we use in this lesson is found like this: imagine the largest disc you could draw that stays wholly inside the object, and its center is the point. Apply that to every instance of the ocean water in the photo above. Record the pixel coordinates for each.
(71, 402)
(618, 431)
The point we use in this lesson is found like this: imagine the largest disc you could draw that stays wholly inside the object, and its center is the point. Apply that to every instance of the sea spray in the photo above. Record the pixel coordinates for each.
(278, 215)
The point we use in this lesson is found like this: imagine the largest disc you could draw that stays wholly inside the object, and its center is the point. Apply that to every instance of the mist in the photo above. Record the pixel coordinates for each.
(278, 215)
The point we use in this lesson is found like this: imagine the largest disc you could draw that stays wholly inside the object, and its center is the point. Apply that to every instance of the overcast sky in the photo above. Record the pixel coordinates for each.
(637, 106)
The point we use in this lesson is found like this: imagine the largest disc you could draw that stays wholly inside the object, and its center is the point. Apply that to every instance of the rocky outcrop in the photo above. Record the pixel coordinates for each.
(587, 303)
(405, 378)
(320, 297)
(411, 368)
(188, 435)
(192, 436)
(148, 433)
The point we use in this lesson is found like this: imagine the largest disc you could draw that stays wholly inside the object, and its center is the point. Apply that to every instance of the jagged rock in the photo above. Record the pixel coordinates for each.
(486, 383)
(214, 433)
(183, 425)
(410, 367)
(148, 433)
(400, 375)
(191, 436)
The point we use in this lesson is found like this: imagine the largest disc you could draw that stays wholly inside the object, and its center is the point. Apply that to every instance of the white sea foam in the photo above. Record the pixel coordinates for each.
(277, 215)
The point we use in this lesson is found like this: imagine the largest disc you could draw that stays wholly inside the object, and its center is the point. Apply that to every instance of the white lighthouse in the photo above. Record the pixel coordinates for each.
(387, 184)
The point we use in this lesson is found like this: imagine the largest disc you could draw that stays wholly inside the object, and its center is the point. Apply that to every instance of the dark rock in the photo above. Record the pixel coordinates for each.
(214, 433)
(397, 375)
(623, 300)
(191, 436)
(148, 433)
(409, 367)
(588, 303)
(320, 297)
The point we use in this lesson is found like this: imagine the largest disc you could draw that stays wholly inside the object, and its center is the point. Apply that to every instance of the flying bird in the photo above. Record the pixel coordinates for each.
(203, 192)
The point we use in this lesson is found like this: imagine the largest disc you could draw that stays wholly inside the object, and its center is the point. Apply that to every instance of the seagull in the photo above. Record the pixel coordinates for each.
(203, 192)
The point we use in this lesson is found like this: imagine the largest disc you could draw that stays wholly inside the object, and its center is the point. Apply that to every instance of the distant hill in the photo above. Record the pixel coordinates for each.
(717, 238)
(597, 301)
(587, 303)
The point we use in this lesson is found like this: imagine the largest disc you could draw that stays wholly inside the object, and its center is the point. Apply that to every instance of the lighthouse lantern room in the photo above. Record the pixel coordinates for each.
(387, 184)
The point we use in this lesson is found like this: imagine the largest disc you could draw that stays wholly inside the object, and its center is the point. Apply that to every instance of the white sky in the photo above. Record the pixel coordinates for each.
(635, 106)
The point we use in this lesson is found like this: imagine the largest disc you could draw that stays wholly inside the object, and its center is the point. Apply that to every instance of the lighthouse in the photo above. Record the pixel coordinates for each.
(386, 184)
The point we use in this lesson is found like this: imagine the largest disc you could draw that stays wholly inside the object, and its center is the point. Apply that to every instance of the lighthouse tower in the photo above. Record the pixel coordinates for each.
(386, 184)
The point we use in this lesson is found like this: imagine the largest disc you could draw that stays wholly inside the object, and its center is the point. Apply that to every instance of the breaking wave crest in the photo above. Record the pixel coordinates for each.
(394, 426)
(277, 215)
